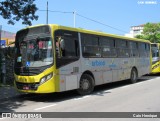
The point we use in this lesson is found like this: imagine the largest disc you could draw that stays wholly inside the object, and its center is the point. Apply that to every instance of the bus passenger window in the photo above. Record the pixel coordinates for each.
(67, 47)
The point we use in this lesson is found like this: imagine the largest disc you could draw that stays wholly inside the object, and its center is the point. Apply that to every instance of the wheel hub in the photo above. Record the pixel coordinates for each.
(85, 84)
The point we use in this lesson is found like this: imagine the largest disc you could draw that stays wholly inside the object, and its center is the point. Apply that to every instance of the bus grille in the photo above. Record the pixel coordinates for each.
(27, 86)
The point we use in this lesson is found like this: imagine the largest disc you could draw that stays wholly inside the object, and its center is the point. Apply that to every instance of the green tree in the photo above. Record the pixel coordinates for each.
(15, 10)
(151, 32)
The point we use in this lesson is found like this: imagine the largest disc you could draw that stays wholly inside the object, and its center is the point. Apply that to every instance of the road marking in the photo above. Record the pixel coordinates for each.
(45, 107)
(79, 98)
(2, 118)
(82, 97)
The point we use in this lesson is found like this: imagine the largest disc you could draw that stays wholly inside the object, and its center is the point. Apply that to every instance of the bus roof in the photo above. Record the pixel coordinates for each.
(89, 32)
(155, 43)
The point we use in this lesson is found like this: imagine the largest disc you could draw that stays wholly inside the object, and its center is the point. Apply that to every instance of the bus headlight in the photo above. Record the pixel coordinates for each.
(46, 78)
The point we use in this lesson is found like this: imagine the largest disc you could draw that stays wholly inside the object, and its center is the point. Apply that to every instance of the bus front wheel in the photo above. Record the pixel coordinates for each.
(134, 76)
(86, 85)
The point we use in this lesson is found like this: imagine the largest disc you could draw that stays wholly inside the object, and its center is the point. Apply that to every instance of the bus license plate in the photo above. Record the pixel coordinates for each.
(26, 87)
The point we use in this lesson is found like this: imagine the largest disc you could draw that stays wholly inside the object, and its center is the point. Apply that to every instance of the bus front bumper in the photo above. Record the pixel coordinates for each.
(47, 87)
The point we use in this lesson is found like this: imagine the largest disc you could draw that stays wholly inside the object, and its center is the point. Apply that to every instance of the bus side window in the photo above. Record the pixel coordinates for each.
(123, 49)
(71, 47)
(90, 46)
(142, 51)
(67, 47)
(134, 49)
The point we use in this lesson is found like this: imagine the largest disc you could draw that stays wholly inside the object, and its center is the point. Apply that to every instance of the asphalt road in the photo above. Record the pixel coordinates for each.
(143, 96)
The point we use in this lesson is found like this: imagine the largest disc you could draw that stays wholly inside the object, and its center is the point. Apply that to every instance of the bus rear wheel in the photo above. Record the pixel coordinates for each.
(134, 76)
(86, 85)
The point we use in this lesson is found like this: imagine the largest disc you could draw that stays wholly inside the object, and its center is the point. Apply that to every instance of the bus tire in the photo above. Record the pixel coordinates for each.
(86, 85)
(134, 76)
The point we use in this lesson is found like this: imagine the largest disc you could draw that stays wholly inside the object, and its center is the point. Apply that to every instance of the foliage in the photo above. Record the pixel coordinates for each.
(151, 32)
(15, 10)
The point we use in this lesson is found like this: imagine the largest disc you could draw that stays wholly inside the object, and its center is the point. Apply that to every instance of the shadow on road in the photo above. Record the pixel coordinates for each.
(18, 101)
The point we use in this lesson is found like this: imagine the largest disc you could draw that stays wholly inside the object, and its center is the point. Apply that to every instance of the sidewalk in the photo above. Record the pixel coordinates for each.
(7, 92)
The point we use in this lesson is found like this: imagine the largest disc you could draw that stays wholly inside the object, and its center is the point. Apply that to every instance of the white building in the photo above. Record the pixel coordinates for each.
(135, 30)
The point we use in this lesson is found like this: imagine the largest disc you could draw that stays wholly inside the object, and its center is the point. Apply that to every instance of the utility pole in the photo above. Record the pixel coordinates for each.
(2, 60)
(74, 15)
(0, 55)
(0, 32)
(47, 14)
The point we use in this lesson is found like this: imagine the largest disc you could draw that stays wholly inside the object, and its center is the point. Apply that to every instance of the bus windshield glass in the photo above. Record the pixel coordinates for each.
(155, 53)
(34, 52)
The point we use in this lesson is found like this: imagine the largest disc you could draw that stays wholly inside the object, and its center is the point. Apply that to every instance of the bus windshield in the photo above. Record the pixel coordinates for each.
(34, 52)
(155, 53)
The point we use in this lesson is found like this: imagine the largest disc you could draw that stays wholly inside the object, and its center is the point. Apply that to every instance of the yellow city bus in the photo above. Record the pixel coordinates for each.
(53, 58)
(155, 47)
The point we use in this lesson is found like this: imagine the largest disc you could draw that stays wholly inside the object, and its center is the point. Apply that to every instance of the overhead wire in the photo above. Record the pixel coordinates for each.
(101, 23)
(55, 11)
(98, 22)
